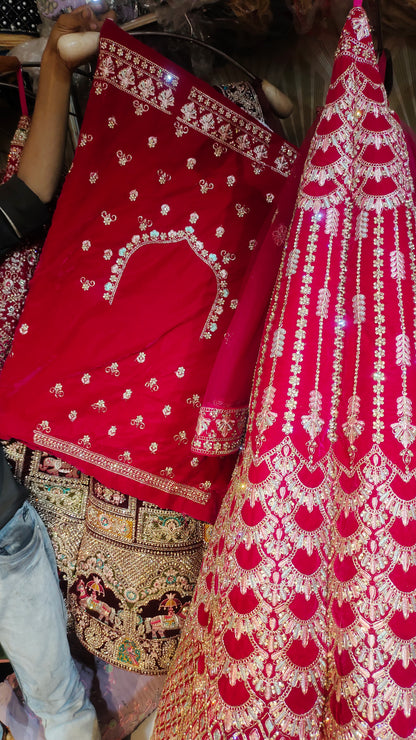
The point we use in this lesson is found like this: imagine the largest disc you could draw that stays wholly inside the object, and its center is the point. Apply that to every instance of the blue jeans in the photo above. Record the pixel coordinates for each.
(33, 630)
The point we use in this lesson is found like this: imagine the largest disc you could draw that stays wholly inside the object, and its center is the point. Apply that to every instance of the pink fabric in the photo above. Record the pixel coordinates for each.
(122, 701)
(304, 620)
(155, 231)
(223, 415)
(22, 94)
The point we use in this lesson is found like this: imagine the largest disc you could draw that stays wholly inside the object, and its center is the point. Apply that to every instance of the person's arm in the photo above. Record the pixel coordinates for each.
(41, 161)
(23, 197)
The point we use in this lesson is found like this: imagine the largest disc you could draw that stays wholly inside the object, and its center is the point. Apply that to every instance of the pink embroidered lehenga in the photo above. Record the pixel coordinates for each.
(303, 622)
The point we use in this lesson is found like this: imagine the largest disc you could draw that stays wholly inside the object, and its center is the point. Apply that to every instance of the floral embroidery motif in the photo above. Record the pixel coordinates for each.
(241, 210)
(205, 186)
(219, 431)
(99, 406)
(57, 390)
(44, 426)
(85, 441)
(139, 108)
(123, 158)
(138, 422)
(108, 218)
(144, 223)
(180, 130)
(133, 74)
(84, 139)
(194, 400)
(125, 457)
(113, 369)
(181, 438)
(203, 113)
(152, 384)
(86, 284)
(163, 177)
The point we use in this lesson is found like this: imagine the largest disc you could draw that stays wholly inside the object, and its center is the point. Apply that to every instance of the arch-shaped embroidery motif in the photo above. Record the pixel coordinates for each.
(198, 247)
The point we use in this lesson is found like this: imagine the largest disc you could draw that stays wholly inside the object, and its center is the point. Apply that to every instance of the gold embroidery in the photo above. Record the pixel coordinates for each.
(80, 451)
(136, 76)
(129, 568)
(157, 239)
(230, 129)
(219, 431)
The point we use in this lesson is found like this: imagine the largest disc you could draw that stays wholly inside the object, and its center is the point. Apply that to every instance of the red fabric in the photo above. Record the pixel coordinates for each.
(223, 415)
(156, 228)
(318, 525)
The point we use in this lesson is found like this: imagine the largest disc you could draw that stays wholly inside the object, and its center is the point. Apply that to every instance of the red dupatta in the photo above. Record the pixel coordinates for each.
(155, 231)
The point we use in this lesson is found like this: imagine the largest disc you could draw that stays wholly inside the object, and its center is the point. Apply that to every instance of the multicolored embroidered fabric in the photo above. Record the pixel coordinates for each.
(154, 233)
(128, 569)
(17, 270)
(303, 623)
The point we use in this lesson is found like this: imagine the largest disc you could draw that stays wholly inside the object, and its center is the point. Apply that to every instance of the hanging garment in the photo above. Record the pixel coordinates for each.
(19, 16)
(51, 10)
(303, 620)
(144, 264)
(127, 568)
(17, 269)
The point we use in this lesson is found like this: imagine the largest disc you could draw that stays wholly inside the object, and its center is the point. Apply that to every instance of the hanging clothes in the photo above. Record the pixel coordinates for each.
(127, 566)
(303, 620)
(18, 267)
(143, 268)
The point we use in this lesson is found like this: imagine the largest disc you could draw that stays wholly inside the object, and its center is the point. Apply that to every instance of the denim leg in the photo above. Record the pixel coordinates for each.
(33, 630)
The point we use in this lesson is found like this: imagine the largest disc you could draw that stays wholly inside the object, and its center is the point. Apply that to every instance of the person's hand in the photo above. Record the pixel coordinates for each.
(8, 64)
(80, 21)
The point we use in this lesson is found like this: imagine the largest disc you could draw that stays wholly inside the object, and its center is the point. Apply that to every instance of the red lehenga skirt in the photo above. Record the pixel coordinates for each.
(303, 622)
